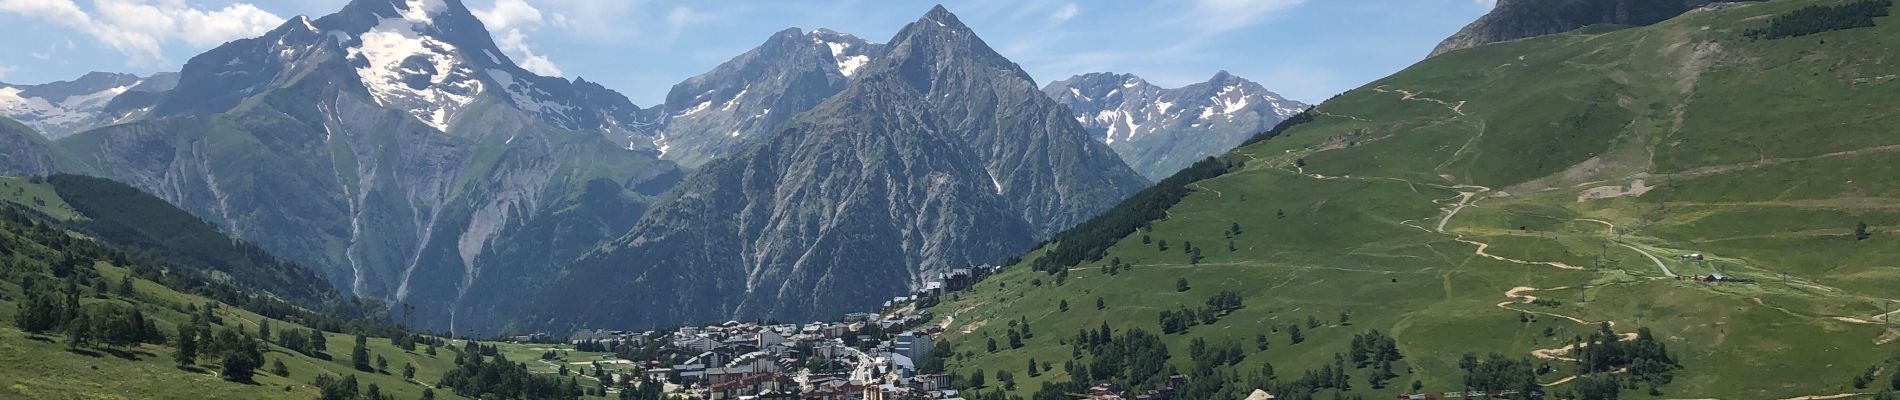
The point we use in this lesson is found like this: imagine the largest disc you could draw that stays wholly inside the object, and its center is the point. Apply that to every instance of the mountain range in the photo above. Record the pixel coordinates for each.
(940, 154)
(394, 149)
(60, 109)
(1655, 202)
(1159, 131)
(712, 115)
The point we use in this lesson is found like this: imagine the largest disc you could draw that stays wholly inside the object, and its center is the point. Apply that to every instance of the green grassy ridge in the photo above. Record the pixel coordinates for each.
(37, 195)
(145, 227)
(42, 367)
(1779, 196)
(134, 220)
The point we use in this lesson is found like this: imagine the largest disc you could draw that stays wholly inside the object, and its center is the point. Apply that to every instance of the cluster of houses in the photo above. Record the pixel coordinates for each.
(1110, 391)
(943, 283)
(864, 356)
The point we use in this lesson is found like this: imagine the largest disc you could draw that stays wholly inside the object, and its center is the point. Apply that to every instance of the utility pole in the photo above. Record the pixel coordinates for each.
(1603, 260)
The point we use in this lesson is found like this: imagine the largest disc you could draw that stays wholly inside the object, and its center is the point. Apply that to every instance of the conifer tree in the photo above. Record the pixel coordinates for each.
(359, 356)
(187, 353)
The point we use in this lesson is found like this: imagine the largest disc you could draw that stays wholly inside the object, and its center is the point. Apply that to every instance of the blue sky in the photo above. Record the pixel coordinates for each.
(1304, 49)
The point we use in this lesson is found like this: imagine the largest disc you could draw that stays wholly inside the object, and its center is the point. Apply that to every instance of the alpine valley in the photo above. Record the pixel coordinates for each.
(396, 150)
(1568, 199)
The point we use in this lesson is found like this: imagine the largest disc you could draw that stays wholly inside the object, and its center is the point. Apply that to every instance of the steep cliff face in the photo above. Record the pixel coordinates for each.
(940, 154)
(1519, 19)
(27, 153)
(1159, 131)
(394, 149)
(713, 114)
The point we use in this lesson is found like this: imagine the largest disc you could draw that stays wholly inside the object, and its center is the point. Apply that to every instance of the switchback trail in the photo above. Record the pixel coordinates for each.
(1197, 185)
(1457, 108)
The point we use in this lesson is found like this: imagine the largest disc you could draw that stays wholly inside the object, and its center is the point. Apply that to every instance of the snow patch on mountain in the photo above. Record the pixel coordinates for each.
(13, 104)
(407, 70)
(56, 116)
(735, 99)
(659, 142)
(695, 110)
(1159, 129)
(527, 97)
(848, 64)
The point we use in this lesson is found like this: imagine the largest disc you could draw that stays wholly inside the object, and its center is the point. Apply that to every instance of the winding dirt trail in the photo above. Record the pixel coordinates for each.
(1565, 380)
(1482, 252)
(1645, 253)
(1456, 108)
(1468, 196)
(1605, 223)
(1722, 169)
(1557, 353)
(1197, 185)
(1652, 258)
(1316, 111)
(1464, 200)
(1518, 296)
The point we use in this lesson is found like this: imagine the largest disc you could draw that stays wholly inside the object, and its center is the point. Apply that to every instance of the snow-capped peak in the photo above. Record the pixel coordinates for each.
(845, 50)
(421, 11)
(59, 109)
(1188, 123)
(407, 69)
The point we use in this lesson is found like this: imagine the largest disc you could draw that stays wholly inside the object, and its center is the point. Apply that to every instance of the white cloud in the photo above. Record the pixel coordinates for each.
(511, 20)
(7, 70)
(646, 23)
(516, 45)
(1212, 17)
(141, 29)
(510, 14)
(1065, 13)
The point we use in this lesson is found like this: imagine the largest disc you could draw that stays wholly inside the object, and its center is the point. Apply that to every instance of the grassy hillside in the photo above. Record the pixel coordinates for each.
(40, 259)
(1510, 198)
(37, 195)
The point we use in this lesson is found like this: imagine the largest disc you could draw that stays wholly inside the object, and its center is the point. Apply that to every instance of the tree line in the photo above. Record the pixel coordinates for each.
(1823, 18)
(1090, 240)
(1221, 304)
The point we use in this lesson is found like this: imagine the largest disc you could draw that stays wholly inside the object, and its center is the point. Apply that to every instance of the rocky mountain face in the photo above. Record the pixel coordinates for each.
(60, 109)
(942, 153)
(1158, 131)
(26, 152)
(1519, 19)
(392, 147)
(711, 115)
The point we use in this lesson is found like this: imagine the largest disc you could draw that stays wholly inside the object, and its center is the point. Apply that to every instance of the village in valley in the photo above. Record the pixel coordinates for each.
(870, 356)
